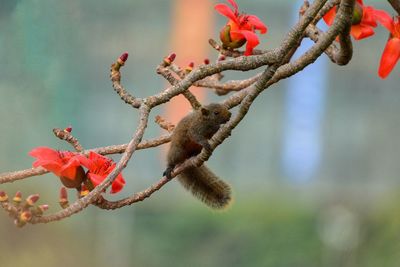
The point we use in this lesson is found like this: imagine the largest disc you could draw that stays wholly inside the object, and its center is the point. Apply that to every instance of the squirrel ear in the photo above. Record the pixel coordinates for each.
(205, 111)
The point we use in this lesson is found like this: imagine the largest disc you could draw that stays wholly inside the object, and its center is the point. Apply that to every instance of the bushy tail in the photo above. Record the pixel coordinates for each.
(206, 186)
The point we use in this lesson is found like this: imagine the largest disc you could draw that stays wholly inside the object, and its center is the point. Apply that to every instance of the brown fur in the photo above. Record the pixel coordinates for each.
(189, 137)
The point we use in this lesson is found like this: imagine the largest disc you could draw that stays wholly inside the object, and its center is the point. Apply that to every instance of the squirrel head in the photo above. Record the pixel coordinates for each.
(216, 112)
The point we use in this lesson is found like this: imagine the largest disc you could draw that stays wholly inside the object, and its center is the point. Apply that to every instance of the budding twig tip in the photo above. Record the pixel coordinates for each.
(172, 56)
(18, 197)
(3, 196)
(68, 129)
(32, 199)
(124, 57)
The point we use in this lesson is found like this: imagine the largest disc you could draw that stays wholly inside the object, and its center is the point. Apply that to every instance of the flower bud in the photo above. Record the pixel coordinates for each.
(169, 59)
(124, 57)
(18, 197)
(83, 192)
(68, 129)
(357, 14)
(189, 67)
(39, 210)
(225, 36)
(63, 198)
(25, 216)
(32, 199)
(3, 196)
(44, 207)
(63, 193)
(64, 204)
(206, 61)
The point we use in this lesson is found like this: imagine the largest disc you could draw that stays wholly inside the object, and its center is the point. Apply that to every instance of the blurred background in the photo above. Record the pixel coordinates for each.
(314, 165)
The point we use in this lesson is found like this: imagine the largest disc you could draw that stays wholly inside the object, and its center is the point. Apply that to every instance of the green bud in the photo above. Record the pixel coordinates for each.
(357, 14)
(225, 36)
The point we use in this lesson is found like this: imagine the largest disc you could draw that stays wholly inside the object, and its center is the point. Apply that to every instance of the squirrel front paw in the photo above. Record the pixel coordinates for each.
(168, 172)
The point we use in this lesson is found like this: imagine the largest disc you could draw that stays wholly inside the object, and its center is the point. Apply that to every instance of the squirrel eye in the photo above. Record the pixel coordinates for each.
(216, 112)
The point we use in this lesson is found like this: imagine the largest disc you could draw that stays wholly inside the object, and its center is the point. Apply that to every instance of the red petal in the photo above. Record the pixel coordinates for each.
(368, 17)
(361, 31)
(45, 153)
(66, 155)
(360, 2)
(69, 173)
(49, 165)
(329, 17)
(257, 23)
(390, 56)
(93, 161)
(96, 179)
(226, 11)
(385, 19)
(86, 162)
(69, 170)
(236, 35)
(97, 158)
(252, 41)
(235, 6)
(118, 184)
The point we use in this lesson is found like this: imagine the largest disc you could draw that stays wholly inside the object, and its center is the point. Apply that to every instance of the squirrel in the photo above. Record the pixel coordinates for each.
(188, 138)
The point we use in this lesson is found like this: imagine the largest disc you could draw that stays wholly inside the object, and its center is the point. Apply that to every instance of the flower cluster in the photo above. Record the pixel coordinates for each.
(365, 19)
(68, 166)
(240, 28)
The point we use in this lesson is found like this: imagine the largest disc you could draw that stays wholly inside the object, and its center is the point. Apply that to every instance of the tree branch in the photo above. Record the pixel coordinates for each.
(396, 5)
(276, 64)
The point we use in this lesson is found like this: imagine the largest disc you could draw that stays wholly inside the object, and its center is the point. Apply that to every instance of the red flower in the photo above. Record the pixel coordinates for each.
(364, 20)
(64, 164)
(240, 28)
(99, 167)
(391, 53)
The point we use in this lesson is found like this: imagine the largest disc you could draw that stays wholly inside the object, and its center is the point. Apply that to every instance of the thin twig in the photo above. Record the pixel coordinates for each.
(314, 33)
(231, 53)
(121, 91)
(328, 6)
(67, 136)
(164, 124)
(140, 196)
(167, 74)
(229, 86)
